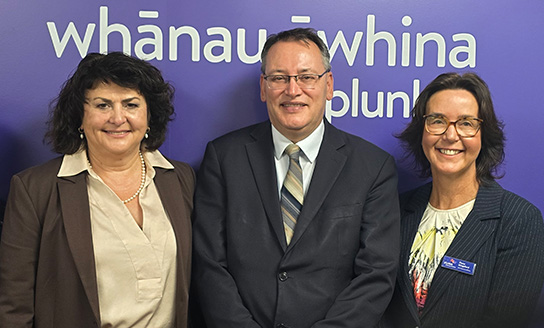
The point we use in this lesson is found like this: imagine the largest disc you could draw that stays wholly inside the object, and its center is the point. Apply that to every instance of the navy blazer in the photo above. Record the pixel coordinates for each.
(47, 268)
(504, 236)
(338, 270)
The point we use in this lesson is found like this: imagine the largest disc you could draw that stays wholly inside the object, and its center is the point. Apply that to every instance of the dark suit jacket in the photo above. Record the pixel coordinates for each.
(504, 236)
(47, 272)
(338, 270)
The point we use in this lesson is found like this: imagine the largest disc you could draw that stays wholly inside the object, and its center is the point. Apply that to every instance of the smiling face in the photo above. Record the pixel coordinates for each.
(293, 111)
(114, 120)
(448, 154)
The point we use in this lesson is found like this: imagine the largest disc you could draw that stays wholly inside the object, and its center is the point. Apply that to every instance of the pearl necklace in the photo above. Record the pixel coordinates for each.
(142, 183)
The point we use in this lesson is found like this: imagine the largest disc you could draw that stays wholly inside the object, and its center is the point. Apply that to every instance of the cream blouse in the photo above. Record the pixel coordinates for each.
(135, 268)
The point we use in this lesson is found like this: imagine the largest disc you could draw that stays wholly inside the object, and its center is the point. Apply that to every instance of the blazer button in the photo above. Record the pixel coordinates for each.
(283, 276)
(281, 325)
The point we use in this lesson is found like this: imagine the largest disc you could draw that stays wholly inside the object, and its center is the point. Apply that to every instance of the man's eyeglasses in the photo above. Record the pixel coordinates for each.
(466, 127)
(304, 81)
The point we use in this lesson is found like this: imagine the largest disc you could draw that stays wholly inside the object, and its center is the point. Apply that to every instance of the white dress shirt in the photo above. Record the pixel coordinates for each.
(309, 147)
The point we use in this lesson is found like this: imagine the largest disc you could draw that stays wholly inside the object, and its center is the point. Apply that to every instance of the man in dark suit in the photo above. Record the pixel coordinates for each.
(319, 250)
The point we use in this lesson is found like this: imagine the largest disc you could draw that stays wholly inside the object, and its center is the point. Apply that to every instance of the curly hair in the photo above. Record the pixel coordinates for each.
(306, 35)
(66, 111)
(492, 151)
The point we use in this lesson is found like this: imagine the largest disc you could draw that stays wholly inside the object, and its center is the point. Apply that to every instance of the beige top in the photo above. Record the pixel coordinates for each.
(135, 268)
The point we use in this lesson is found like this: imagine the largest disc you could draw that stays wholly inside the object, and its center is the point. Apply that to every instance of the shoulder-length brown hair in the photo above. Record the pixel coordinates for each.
(492, 152)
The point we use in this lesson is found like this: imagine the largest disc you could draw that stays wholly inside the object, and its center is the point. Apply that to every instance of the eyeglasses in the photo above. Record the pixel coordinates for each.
(304, 81)
(466, 127)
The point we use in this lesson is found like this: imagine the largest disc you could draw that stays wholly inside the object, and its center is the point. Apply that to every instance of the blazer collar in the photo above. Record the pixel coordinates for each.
(479, 225)
(487, 198)
(74, 202)
(329, 164)
(169, 187)
(260, 152)
(410, 219)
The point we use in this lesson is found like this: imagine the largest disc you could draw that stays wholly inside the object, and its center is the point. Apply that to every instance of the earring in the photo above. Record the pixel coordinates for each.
(147, 135)
(81, 135)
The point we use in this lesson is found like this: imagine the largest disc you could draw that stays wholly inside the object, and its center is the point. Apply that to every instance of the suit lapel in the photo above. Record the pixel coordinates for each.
(170, 190)
(261, 158)
(410, 223)
(479, 225)
(329, 164)
(74, 203)
(168, 185)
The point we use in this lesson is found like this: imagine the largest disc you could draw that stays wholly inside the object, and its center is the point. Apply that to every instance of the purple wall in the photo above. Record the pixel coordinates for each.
(383, 54)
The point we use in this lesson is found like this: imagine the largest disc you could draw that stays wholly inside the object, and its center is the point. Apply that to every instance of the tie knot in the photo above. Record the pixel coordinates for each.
(292, 151)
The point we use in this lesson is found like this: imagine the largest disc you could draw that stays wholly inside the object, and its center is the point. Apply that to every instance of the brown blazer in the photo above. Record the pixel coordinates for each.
(47, 268)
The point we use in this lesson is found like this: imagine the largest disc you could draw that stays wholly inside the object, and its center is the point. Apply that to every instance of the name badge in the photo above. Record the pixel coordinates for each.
(458, 265)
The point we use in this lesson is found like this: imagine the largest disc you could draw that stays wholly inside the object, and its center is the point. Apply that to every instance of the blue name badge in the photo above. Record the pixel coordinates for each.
(458, 265)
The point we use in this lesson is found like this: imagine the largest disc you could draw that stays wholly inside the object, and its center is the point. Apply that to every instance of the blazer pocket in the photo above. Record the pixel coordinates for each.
(344, 211)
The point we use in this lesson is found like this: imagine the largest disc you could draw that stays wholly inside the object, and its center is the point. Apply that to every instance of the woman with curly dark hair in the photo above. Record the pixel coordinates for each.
(472, 253)
(101, 236)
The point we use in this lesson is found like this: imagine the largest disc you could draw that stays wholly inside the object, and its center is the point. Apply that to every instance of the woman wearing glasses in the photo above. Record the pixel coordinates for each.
(472, 253)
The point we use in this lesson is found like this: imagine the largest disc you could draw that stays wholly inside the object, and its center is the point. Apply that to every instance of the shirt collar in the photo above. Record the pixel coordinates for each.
(76, 163)
(309, 145)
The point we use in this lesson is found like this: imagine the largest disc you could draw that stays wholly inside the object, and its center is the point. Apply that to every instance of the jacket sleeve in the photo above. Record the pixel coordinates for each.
(518, 273)
(19, 248)
(216, 290)
(364, 300)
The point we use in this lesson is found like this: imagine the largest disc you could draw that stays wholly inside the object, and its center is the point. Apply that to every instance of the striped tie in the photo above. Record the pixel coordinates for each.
(292, 194)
